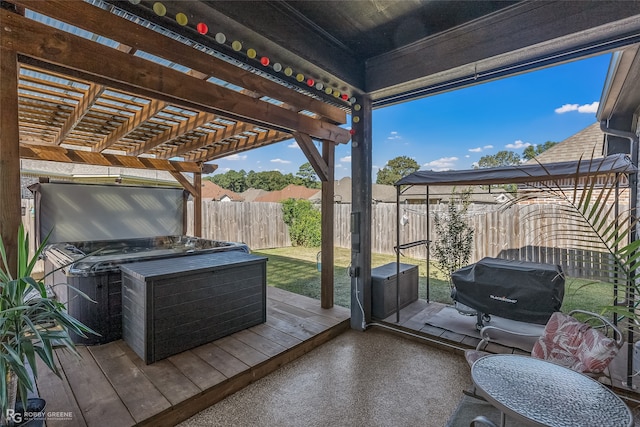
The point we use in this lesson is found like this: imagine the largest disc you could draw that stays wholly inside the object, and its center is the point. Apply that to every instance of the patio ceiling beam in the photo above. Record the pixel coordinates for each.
(136, 75)
(257, 139)
(173, 132)
(313, 155)
(102, 22)
(81, 110)
(64, 155)
(209, 138)
(134, 122)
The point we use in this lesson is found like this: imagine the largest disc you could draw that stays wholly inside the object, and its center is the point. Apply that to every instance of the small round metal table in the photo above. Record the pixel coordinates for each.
(540, 393)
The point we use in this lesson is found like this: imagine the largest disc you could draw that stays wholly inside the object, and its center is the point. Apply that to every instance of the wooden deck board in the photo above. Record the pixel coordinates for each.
(135, 390)
(94, 394)
(197, 370)
(58, 394)
(275, 335)
(168, 379)
(111, 385)
(258, 342)
(241, 351)
(227, 364)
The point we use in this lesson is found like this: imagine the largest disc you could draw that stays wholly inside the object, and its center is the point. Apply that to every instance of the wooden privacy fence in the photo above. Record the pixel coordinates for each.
(535, 232)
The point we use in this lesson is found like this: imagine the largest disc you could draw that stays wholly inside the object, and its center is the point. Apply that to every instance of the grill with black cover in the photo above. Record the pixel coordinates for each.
(517, 290)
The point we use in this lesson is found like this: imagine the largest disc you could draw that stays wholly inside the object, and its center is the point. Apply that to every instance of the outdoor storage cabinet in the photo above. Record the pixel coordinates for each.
(383, 288)
(172, 305)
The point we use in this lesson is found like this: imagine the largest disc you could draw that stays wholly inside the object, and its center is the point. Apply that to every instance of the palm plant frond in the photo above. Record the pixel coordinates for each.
(592, 220)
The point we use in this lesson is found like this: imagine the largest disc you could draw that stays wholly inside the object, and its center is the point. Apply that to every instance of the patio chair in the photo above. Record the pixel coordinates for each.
(584, 346)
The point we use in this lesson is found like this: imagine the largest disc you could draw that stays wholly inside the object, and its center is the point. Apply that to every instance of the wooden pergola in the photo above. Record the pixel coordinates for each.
(112, 108)
(131, 83)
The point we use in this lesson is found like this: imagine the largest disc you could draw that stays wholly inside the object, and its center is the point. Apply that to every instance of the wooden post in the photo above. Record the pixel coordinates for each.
(361, 189)
(327, 259)
(197, 205)
(10, 215)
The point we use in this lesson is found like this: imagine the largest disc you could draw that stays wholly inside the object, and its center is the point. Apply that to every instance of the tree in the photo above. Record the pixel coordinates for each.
(268, 180)
(501, 158)
(304, 222)
(231, 180)
(452, 248)
(533, 150)
(395, 169)
(307, 176)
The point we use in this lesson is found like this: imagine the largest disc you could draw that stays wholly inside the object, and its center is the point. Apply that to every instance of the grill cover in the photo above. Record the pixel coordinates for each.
(518, 290)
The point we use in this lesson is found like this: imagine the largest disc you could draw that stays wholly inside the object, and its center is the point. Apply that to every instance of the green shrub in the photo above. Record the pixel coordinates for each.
(304, 222)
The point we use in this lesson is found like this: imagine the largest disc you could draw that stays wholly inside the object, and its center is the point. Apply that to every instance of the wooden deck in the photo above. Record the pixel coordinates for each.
(111, 385)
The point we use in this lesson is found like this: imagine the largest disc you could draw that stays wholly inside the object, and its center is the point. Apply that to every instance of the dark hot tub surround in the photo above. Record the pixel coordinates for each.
(96, 229)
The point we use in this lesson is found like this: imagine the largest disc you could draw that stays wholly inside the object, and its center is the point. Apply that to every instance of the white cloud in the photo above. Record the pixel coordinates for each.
(518, 145)
(441, 164)
(225, 169)
(566, 108)
(584, 108)
(394, 135)
(345, 159)
(339, 165)
(294, 144)
(466, 156)
(589, 108)
(285, 162)
(375, 167)
(235, 157)
(480, 149)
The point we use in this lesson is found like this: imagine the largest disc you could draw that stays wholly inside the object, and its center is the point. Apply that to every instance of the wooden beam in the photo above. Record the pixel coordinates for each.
(144, 114)
(239, 145)
(184, 182)
(209, 139)
(81, 110)
(315, 159)
(64, 155)
(172, 133)
(10, 200)
(326, 255)
(197, 205)
(140, 76)
(102, 22)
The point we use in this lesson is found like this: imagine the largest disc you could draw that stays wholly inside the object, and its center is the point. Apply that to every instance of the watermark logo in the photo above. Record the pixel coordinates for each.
(17, 417)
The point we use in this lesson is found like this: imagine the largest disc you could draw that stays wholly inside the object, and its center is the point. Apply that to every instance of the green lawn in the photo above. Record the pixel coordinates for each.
(294, 269)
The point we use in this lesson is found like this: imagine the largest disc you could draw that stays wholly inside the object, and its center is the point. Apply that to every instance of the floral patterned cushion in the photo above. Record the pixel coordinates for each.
(575, 345)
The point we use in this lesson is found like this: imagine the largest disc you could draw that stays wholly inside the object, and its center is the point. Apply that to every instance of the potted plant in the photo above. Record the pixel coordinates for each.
(32, 324)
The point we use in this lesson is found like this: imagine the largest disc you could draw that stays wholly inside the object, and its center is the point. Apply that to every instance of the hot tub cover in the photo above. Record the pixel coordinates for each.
(517, 290)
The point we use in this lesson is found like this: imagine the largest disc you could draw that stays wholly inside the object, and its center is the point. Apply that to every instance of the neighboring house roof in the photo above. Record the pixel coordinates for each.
(251, 194)
(342, 192)
(442, 194)
(291, 191)
(586, 143)
(212, 191)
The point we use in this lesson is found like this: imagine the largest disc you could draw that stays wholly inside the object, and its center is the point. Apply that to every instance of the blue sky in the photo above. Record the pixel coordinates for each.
(453, 130)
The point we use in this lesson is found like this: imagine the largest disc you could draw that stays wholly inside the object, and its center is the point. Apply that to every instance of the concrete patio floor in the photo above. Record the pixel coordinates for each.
(374, 378)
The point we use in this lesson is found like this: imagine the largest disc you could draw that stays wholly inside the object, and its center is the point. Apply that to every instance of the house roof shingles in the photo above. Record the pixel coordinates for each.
(586, 144)
(212, 191)
(291, 191)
